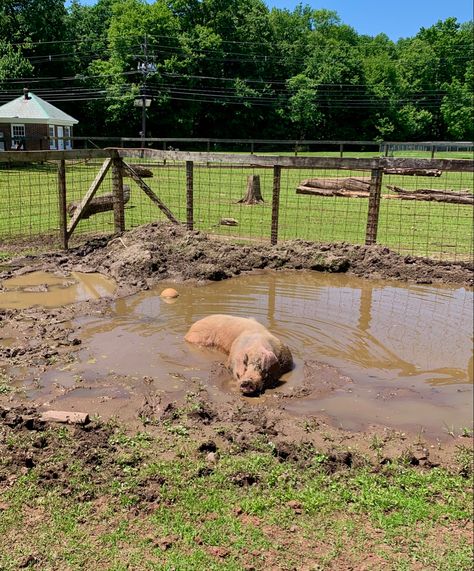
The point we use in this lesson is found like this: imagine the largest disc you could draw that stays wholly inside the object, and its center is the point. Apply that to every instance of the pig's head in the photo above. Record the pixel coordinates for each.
(253, 369)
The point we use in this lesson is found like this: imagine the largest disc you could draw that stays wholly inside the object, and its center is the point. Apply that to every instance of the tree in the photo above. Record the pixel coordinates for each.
(457, 107)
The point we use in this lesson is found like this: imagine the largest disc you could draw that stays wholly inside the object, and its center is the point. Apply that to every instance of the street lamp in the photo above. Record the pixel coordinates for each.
(143, 100)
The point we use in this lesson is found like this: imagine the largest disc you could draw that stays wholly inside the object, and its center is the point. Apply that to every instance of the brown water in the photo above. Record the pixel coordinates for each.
(49, 290)
(407, 349)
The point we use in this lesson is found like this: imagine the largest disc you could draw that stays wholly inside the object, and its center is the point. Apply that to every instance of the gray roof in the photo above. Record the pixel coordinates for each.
(34, 109)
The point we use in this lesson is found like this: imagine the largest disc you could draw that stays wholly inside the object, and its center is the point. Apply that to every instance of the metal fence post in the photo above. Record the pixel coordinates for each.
(62, 203)
(117, 187)
(374, 206)
(189, 195)
(275, 203)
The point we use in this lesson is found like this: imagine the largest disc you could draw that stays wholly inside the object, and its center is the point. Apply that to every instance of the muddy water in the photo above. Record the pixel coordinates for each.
(388, 353)
(49, 290)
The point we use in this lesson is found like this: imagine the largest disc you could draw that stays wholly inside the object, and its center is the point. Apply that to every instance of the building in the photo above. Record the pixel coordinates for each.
(31, 123)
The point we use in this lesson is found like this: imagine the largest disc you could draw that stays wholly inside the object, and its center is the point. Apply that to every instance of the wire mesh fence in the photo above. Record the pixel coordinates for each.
(430, 216)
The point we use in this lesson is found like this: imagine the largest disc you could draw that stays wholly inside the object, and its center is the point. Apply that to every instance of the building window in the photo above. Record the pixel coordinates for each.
(67, 134)
(52, 140)
(18, 137)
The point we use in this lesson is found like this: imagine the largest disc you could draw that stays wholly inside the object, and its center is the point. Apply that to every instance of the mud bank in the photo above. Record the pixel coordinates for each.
(146, 255)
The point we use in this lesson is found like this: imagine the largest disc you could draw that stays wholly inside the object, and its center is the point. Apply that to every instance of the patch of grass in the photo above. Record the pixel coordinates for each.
(112, 500)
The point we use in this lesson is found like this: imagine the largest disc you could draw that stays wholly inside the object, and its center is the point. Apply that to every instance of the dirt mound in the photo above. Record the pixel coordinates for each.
(158, 251)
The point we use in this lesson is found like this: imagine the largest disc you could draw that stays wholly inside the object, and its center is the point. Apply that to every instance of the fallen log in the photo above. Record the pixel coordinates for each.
(142, 172)
(333, 192)
(428, 194)
(413, 172)
(361, 183)
(98, 203)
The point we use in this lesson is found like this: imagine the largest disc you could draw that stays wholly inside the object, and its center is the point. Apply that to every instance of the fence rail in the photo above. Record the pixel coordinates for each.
(205, 190)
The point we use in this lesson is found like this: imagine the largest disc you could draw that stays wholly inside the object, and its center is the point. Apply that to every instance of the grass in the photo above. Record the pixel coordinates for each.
(438, 230)
(151, 501)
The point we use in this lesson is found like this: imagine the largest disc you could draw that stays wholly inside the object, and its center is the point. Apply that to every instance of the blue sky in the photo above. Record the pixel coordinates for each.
(396, 18)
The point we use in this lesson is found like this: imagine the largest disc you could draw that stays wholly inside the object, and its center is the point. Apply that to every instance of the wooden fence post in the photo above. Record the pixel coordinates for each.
(275, 203)
(117, 189)
(189, 195)
(62, 203)
(374, 206)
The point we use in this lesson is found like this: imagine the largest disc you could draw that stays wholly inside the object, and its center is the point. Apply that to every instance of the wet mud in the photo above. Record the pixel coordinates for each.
(370, 355)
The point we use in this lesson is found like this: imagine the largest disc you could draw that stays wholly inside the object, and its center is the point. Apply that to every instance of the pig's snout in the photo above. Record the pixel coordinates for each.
(251, 387)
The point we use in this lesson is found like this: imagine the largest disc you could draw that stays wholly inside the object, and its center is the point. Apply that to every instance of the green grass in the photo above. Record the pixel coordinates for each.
(96, 512)
(438, 230)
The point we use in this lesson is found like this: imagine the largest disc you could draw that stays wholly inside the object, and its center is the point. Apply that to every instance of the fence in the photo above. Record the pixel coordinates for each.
(295, 147)
(413, 206)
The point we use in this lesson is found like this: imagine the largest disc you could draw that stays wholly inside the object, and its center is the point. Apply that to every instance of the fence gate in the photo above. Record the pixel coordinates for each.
(114, 200)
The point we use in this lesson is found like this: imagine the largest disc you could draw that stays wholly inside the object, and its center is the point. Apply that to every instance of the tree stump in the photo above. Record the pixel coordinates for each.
(254, 194)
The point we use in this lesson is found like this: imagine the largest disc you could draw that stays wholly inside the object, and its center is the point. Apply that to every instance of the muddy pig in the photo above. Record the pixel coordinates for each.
(255, 356)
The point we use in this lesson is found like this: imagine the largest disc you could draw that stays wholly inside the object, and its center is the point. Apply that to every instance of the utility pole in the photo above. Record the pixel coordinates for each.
(144, 101)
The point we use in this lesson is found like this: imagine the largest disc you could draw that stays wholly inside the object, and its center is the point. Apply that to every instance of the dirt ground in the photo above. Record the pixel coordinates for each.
(140, 259)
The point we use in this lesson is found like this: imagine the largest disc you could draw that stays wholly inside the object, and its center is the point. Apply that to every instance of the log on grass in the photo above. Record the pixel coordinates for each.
(332, 192)
(428, 194)
(142, 172)
(413, 172)
(360, 183)
(98, 203)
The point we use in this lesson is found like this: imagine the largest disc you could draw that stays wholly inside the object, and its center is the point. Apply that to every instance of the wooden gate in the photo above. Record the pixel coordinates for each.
(115, 200)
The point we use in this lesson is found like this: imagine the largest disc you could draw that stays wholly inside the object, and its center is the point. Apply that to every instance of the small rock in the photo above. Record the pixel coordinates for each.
(212, 458)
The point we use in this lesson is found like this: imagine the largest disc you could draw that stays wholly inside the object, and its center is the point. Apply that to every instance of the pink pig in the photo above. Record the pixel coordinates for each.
(255, 356)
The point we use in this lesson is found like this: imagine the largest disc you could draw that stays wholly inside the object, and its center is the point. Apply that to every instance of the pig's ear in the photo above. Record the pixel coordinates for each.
(246, 360)
(269, 360)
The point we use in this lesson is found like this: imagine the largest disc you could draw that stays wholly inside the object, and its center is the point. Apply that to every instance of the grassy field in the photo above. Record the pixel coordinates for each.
(439, 230)
(105, 499)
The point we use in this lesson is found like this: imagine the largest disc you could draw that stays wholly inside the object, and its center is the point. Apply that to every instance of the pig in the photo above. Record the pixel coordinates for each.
(256, 358)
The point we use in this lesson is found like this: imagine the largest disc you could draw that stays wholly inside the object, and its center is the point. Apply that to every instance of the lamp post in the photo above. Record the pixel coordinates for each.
(143, 100)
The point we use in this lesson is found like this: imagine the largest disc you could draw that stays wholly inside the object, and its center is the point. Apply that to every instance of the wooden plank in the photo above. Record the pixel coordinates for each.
(119, 200)
(189, 195)
(38, 156)
(65, 417)
(374, 206)
(149, 192)
(89, 195)
(62, 203)
(355, 164)
(275, 203)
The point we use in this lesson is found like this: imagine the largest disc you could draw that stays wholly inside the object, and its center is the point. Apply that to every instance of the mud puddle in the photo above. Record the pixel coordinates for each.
(366, 352)
(47, 289)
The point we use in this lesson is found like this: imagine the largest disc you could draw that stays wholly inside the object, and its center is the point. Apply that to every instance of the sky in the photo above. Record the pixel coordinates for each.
(396, 18)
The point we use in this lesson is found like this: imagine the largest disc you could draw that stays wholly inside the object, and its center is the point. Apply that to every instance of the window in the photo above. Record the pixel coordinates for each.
(52, 140)
(67, 142)
(18, 137)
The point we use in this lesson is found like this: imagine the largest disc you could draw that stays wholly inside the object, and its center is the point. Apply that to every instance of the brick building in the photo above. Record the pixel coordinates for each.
(31, 123)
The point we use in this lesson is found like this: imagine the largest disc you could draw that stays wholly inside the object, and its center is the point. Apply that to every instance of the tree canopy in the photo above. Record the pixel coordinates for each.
(236, 69)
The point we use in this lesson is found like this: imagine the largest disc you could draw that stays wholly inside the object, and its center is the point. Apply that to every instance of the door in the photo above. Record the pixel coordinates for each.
(60, 138)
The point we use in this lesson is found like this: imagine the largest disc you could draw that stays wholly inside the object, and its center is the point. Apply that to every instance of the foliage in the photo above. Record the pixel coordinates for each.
(236, 68)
